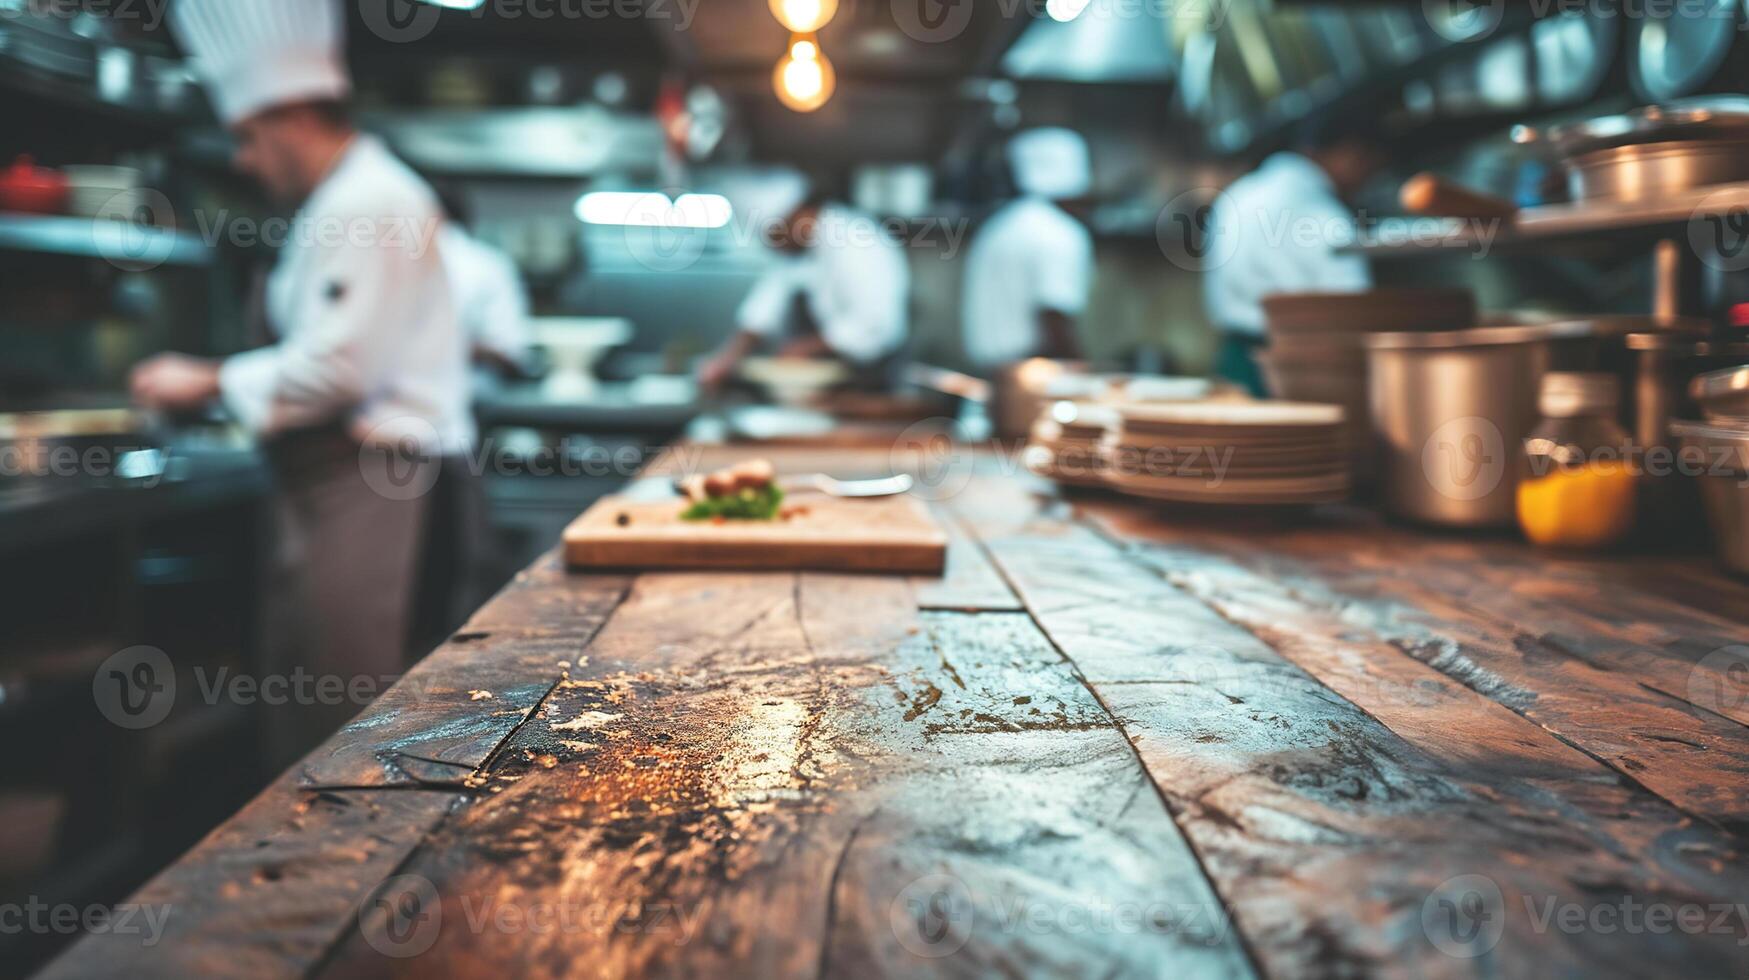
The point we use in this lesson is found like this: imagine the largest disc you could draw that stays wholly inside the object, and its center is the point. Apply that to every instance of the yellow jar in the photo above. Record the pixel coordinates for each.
(1577, 485)
(1588, 506)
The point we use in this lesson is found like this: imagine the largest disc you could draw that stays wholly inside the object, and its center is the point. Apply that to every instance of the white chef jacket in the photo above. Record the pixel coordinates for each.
(488, 294)
(360, 301)
(855, 281)
(1282, 224)
(1030, 257)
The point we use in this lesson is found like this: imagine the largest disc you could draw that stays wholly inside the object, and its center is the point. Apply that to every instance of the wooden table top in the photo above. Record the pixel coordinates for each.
(1114, 740)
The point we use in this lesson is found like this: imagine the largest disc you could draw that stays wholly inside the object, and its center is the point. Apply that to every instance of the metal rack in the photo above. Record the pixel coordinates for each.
(126, 244)
(1411, 237)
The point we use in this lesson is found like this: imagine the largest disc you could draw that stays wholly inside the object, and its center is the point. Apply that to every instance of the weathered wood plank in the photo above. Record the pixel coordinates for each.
(1693, 758)
(444, 718)
(971, 583)
(1329, 638)
(1578, 608)
(774, 775)
(269, 891)
(1333, 838)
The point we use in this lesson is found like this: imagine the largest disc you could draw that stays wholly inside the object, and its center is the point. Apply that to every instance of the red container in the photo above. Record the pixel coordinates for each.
(26, 187)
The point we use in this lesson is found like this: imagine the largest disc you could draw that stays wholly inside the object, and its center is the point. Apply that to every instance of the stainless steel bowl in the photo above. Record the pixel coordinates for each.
(1723, 395)
(1722, 453)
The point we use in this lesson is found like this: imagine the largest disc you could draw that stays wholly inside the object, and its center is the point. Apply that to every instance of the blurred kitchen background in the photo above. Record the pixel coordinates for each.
(522, 117)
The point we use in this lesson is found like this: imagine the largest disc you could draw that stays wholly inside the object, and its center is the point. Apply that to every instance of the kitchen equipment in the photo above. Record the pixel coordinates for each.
(575, 345)
(891, 486)
(1652, 151)
(28, 188)
(1064, 444)
(1226, 452)
(1392, 308)
(1723, 396)
(1021, 391)
(1316, 352)
(1673, 52)
(1431, 194)
(1662, 365)
(1722, 452)
(1646, 171)
(79, 443)
(95, 191)
(890, 534)
(794, 381)
(1449, 410)
(1578, 485)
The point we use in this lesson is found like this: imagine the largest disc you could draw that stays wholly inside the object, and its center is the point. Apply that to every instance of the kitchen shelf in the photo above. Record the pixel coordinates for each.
(1391, 237)
(125, 244)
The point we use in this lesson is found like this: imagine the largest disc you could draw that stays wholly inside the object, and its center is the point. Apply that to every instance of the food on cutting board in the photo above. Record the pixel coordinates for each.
(745, 492)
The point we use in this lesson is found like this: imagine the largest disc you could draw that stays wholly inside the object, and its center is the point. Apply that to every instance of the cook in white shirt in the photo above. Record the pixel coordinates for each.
(1279, 229)
(491, 299)
(491, 302)
(1031, 265)
(848, 277)
(366, 388)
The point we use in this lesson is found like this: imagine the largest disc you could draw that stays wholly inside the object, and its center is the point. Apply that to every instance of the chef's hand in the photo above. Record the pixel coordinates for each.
(175, 382)
(715, 373)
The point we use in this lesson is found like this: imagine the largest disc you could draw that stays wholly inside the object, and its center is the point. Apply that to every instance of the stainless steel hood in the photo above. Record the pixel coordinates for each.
(580, 141)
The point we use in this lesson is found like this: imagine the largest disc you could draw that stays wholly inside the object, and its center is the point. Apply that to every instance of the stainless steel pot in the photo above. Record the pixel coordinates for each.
(1723, 395)
(1722, 452)
(1652, 151)
(1449, 412)
(1645, 171)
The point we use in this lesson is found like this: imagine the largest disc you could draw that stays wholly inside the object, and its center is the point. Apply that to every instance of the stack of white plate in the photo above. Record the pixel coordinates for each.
(1065, 442)
(1227, 452)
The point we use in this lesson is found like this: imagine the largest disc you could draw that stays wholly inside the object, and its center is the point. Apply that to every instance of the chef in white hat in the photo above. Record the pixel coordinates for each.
(365, 391)
(1031, 264)
(838, 286)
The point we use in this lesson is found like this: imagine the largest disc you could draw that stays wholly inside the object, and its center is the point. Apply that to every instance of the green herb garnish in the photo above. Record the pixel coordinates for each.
(762, 504)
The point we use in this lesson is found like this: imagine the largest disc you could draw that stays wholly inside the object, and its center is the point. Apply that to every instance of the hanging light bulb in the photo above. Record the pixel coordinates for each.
(803, 16)
(804, 78)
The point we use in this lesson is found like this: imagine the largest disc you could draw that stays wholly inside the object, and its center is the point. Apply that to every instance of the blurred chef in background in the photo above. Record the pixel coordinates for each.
(1286, 221)
(839, 288)
(1031, 265)
(490, 298)
(366, 389)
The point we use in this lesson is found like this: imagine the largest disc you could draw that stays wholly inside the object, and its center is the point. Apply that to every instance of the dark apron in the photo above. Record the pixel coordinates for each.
(350, 529)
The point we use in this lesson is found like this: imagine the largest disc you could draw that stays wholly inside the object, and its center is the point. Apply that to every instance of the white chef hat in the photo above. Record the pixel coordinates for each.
(254, 55)
(1051, 162)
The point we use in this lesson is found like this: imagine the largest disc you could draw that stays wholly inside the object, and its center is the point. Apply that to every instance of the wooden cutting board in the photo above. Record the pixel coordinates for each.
(889, 534)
